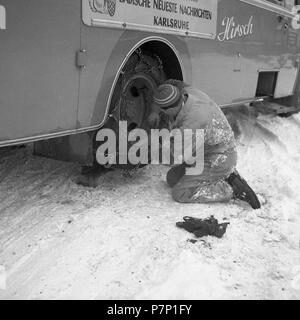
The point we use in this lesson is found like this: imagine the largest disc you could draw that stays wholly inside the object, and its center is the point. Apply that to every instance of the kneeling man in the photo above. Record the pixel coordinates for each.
(189, 108)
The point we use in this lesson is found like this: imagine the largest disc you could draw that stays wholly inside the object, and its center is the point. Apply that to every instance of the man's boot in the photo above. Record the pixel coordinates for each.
(242, 191)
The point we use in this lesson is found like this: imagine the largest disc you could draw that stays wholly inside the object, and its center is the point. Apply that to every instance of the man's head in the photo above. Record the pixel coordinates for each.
(167, 99)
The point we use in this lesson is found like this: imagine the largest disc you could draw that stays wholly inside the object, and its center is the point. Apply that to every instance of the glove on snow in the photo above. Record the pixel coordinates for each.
(201, 228)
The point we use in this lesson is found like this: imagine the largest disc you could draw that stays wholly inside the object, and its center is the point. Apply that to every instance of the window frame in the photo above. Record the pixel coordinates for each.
(273, 7)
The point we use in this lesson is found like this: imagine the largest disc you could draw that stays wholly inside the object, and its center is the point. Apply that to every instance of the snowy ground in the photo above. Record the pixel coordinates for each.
(119, 241)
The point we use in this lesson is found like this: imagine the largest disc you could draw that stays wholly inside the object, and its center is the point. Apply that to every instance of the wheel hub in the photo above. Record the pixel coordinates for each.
(136, 99)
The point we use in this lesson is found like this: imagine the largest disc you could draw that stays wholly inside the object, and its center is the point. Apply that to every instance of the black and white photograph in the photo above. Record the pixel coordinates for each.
(150, 151)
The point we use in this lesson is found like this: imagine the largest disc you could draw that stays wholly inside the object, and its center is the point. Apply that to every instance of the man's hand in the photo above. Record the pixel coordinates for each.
(154, 120)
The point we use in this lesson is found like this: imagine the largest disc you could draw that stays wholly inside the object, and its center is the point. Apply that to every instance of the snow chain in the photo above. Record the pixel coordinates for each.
(124, 75)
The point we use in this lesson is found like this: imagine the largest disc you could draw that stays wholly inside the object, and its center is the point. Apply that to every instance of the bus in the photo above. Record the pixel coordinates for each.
(71, 67)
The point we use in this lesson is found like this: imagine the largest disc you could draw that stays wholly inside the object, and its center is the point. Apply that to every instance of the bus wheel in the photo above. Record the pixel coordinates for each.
(133, 94)
(135, 100)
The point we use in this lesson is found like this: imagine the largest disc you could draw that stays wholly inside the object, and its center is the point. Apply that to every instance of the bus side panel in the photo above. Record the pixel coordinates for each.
(39, 79)
(227, 69)
(96, 80)
(106, 51)
(273, 46)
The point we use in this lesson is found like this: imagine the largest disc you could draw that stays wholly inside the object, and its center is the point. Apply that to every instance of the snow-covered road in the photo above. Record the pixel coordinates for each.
(119, 240)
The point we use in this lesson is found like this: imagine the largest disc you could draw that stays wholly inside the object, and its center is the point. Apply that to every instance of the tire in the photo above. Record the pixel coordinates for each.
(133, 93)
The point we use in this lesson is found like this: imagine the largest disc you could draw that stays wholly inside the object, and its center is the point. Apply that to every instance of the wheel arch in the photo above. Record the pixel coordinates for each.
(173, 64)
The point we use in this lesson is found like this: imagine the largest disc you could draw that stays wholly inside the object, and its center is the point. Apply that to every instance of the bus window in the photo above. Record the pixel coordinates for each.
(279, 2)
(288, 4)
